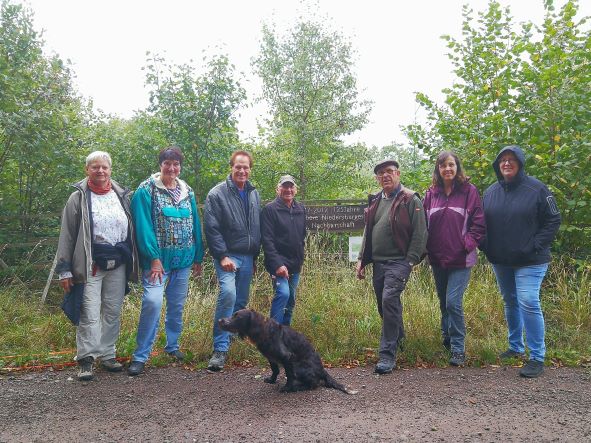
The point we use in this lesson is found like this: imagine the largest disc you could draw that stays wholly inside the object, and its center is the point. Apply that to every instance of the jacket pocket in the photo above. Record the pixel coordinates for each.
(171, 211)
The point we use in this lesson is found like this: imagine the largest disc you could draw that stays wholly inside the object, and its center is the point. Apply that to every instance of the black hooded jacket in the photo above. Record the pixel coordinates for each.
(522, 217)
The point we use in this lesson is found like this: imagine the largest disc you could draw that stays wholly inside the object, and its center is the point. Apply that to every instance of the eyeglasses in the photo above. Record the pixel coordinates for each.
(389, 171)
(510, 161)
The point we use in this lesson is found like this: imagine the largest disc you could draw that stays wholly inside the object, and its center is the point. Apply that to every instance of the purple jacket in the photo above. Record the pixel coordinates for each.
(456, 226)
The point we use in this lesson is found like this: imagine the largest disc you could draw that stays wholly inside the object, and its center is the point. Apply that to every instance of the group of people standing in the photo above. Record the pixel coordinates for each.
(106, 237)
(514, 224)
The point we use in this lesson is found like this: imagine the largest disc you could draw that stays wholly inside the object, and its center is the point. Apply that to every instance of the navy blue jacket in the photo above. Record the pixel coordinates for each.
(522, 217)
(283, 234)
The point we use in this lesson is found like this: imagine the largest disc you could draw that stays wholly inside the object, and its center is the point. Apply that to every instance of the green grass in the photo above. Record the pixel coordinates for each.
(334, 309)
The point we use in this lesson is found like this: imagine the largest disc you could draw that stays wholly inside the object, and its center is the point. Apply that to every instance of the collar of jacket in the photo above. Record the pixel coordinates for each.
(232, 186)
(394, 193)
(513, 183)
(184, 187)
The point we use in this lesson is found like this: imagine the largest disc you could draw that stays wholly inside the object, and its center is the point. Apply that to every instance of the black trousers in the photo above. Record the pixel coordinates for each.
(389, 280)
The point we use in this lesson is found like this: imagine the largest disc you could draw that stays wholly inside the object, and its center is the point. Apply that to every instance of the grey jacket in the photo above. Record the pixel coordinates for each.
(74, 246)
(227, 228)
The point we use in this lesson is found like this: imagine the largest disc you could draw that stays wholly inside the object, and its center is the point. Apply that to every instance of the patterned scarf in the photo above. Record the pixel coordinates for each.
(100, 191)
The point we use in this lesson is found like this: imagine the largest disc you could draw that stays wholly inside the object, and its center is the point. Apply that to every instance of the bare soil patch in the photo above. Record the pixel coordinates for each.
(178, 404)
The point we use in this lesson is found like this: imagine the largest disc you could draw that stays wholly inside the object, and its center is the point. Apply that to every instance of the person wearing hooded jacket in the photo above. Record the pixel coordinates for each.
(522, 220)
(168, 234)
(455, 222)
(97, 218)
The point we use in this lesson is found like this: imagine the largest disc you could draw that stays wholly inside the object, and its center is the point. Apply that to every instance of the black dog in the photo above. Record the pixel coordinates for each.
(282, 345)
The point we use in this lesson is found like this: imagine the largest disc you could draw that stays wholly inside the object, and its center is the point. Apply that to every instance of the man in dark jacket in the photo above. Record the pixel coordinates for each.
(394, 240)
(522, 220)
(232, 230)
(283, 230)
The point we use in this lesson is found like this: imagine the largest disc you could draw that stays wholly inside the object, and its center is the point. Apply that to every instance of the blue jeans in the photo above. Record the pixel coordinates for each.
(284, 299)
(176, 294)
(234, 291)
(451, 285)
(520, 288)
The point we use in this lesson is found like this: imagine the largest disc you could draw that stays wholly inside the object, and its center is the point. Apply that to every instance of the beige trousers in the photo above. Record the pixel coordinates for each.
(100, 315)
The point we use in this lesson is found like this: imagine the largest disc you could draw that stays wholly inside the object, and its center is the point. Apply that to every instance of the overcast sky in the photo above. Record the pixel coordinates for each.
(399, 51)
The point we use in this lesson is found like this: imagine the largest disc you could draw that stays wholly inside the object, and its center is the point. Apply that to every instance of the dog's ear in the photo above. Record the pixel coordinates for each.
(257, 322)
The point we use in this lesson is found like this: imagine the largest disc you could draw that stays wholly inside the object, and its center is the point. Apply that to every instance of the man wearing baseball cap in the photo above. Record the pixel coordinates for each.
(283, 233)
(394, 240)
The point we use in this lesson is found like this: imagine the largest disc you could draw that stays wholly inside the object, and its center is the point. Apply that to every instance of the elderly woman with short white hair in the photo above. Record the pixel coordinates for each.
(96, 249)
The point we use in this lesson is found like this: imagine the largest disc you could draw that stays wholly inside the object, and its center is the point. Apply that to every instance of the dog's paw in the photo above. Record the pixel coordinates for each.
(351, 392)
(270, 380)
(287, 388)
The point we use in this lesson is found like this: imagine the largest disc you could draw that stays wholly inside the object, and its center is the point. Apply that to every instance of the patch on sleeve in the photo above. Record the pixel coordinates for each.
(552, 205)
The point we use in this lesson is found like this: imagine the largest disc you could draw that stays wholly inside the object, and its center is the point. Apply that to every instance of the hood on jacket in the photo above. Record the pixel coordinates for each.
(520, 158)
(183, 186)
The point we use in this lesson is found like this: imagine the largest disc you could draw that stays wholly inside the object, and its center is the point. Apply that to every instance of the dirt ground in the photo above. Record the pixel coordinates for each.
(177, 404)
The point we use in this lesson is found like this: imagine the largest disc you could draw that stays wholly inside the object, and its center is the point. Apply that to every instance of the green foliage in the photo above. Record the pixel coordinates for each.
(197, 113)
(311, 91)
(133, 144)
(528, 87)
(415, 167)
(40, 122)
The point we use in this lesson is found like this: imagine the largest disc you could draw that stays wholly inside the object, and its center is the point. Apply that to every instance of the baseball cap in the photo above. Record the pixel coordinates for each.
(286, 179)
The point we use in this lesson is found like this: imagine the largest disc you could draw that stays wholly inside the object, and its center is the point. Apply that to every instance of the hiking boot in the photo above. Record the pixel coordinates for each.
(532, 369)
(180, 356)
(217, 361)
(85, 369)
(457, 359)
(384, 366)
(112, 365)
(510, 353)
(136, 368)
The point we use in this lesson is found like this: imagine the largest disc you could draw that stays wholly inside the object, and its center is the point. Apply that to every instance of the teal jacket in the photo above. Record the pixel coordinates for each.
(165, 230)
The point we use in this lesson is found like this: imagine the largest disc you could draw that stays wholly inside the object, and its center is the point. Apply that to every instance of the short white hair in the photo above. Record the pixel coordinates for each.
(96, 155)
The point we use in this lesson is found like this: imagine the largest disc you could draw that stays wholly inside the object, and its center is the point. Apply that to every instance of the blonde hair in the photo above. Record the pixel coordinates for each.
(96, 155)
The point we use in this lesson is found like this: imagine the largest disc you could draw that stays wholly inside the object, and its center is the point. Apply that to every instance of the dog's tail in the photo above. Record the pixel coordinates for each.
(330, 382)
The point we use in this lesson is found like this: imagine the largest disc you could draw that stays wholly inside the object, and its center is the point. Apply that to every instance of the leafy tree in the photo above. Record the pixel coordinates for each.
(133, 144)
(555, 113)
(40, 121)
(198, 113)
(311, 91)
(529, 87)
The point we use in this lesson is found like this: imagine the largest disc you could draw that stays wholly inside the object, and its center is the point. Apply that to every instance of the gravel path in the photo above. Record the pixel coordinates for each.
(177, 404)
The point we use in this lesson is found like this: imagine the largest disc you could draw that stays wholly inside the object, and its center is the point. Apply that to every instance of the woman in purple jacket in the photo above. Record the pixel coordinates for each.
(456, 227)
